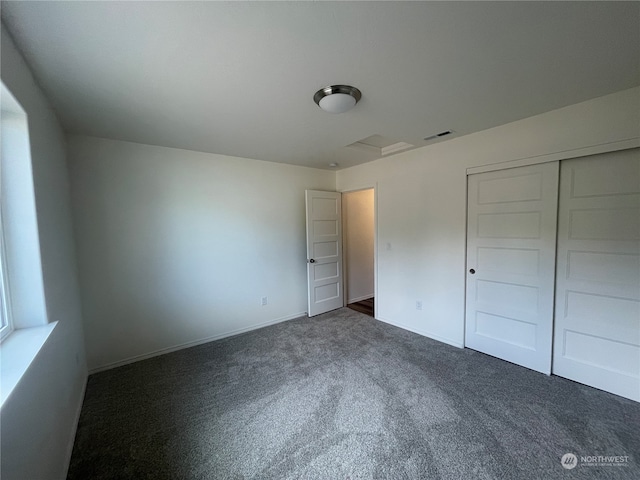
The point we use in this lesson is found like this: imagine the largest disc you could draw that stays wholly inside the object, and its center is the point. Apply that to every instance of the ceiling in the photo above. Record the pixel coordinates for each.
(238, 78)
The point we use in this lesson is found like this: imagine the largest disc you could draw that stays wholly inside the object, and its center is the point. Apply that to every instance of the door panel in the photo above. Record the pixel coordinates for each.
(324, 251)
(511, 236)
(597, 326)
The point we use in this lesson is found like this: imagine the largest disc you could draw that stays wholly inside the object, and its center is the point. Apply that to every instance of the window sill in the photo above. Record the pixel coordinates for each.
(17, 352)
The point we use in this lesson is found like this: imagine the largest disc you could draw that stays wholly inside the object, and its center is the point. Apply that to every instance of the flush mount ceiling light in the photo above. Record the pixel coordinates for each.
(337, 98)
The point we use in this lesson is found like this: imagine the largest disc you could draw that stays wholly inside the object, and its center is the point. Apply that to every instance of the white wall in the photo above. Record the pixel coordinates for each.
(176, 247)
(421, 205)
(358, 235)
(39, 418)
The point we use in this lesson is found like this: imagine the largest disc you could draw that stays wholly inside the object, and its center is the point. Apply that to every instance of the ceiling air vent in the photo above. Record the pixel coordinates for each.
(438, 135)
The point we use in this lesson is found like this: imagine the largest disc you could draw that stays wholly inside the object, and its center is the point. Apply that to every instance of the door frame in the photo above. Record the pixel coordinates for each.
(374, 187)
(552, 157)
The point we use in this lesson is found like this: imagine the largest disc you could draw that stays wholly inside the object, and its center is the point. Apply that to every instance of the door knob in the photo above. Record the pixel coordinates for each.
(472, 271)
(312, 261)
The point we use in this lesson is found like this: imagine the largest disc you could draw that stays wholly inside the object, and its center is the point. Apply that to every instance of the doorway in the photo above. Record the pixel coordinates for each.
(358, 227)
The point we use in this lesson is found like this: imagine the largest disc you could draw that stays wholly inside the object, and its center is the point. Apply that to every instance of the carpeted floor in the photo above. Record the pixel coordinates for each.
(343, 396)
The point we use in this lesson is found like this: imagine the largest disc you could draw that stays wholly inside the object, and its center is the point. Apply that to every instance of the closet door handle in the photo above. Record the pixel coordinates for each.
(472, 271)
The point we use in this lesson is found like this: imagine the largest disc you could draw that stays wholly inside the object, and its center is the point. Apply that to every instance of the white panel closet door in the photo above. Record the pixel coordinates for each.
(597, 328)
(324, 251)
(511, 239)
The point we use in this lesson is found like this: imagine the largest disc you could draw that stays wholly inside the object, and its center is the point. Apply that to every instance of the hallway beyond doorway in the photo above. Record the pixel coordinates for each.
(364, 306)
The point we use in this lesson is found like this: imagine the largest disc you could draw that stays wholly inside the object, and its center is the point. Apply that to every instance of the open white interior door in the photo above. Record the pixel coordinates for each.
(324, 251)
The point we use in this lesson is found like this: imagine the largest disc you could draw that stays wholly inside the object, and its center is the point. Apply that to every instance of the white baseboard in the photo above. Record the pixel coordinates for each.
(72, 440)
(193, 343)
(359, 299)
(423, 333)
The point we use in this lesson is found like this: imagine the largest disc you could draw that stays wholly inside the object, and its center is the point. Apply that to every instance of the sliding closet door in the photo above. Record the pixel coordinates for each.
(511, 239)
(597, 326)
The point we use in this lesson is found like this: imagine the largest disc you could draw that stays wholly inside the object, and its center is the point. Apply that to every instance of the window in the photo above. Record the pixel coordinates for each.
(21, 282)
(6, 325)
(24, 326)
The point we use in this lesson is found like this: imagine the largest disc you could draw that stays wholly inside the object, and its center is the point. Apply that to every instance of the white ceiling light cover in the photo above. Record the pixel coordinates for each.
(337, 98)
(337, 103)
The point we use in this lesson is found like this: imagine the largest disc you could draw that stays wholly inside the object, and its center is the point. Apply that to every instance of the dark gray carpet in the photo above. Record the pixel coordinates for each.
(343, 396)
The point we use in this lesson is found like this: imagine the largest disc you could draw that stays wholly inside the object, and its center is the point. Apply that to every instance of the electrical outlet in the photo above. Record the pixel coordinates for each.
(264, 301)
(418, 305)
